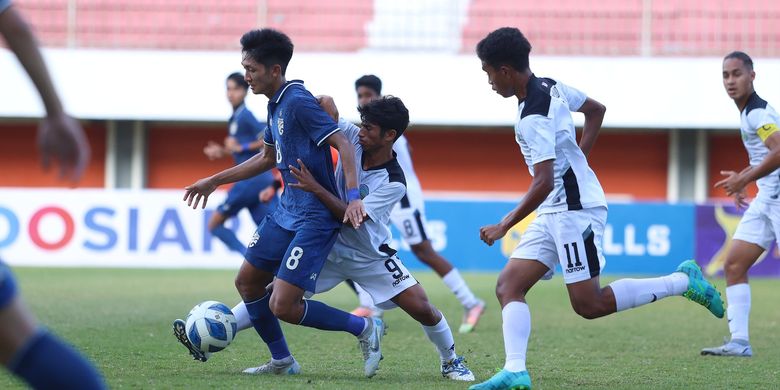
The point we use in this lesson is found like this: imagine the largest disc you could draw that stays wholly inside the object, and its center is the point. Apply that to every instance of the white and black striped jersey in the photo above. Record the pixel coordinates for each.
(414, 196)
(545, 131)
(758, 121)
(380, 188)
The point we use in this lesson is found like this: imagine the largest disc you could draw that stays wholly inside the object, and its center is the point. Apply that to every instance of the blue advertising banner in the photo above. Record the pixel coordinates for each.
(640, 238)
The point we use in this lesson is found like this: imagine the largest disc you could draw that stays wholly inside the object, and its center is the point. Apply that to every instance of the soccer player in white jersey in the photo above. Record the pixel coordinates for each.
(761, 223)
(408, 216)
(571, 214)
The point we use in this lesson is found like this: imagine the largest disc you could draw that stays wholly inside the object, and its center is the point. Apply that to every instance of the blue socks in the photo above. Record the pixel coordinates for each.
(229, 238)
(267, 326)
(47, 363)
(321, 316)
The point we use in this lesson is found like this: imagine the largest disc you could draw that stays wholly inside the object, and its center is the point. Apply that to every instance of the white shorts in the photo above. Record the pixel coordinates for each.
(571, 238)
(410, 222)
(761, 223)
(383, 280)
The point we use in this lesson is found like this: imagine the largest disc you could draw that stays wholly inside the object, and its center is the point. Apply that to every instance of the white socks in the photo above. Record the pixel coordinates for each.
(364, 297)
(630, 293)
(441, 336)
(517, 328)
(455, 282)
(738, 297)
(242, 317)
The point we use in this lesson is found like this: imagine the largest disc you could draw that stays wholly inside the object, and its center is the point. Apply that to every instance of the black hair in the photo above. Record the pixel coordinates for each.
(746, 60)
(505, 46)
(370, 81)
(268, 47)
(387, 112)
(238, 78)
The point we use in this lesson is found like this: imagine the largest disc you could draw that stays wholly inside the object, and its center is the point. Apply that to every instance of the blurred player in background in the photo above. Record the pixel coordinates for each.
(571, 214)
(293, 242)
(243, 141)
(760, 225)
(408, 216)
(27, 350)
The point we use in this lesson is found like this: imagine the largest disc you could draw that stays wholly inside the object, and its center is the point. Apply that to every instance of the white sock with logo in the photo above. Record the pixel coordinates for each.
(630, 293)
(738, 312)
(517, 329)
(441, 336)
(242, 317)
(455, 282)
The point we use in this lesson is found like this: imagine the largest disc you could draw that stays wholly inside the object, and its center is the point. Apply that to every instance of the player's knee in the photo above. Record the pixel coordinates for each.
(507, 292)
(734, 268)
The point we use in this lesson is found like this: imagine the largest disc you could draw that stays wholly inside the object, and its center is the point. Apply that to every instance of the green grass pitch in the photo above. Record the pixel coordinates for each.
(121, 319)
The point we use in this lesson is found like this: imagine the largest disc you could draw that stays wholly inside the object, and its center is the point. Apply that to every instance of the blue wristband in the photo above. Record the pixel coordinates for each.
(353, 194)
(245, 146)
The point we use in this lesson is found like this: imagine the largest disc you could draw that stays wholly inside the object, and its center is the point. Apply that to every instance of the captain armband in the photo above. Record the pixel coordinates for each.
(766, 130)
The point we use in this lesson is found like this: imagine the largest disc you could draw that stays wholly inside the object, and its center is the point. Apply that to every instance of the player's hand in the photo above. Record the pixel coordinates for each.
(202, 188)
(355, 213)
(492, 233)
(61, 138)
(306, 180)
(733, 183)
(267, 194)
(213, 151)
(740, 199)
(327, 104)
(232, 145)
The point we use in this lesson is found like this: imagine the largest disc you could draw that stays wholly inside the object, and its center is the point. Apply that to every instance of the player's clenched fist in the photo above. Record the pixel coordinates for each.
(202, 188)
(489, 234)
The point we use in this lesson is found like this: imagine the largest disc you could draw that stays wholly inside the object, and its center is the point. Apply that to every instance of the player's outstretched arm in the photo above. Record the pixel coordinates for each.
(355, 211)
(307, 182)
(60, 137)
(594, 116)
(541, 186)
(734, 183)
(256, 165)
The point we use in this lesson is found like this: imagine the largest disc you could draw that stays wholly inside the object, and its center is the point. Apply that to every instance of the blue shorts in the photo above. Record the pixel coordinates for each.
(245, 194)
(7, 286)
(295, 257)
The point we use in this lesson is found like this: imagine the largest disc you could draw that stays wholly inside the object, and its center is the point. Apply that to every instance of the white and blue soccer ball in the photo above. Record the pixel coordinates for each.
(211, 326)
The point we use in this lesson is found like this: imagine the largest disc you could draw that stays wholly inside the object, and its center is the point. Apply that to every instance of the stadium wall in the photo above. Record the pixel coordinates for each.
(154, 228)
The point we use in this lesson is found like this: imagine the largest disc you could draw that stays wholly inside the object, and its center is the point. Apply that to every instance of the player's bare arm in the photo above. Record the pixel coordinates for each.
(355, 211)
(734, 183)
(594, 116)
(307, 182)
(60, 137)
(256, 165)
(327, 104)
(541, 185)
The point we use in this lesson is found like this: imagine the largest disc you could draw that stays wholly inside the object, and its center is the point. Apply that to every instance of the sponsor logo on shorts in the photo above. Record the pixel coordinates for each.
(399, 280)
(255, 237)
(575, 269)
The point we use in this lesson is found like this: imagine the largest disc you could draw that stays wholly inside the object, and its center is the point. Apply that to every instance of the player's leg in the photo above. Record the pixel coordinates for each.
(411, 222)
(237, 198)
(578, 242)
(514, 282)
(414, 302)
(298, 272)
(35, 355)
(257, 271)
(753, 236)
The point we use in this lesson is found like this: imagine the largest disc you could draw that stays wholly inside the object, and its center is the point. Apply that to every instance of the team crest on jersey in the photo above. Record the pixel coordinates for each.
(363, 191)
(233, 128)
(280, 123)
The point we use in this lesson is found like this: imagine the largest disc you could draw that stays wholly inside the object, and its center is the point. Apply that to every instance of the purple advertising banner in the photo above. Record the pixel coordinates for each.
(715, 225)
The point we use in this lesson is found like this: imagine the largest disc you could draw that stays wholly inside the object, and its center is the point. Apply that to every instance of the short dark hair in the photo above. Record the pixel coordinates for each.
(370, 81)
(387, 112)
(505, 46)
(238, 78)
(268, 47)
(740, 55)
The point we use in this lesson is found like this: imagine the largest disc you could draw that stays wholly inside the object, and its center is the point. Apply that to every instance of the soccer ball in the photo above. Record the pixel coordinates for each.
(211, 326)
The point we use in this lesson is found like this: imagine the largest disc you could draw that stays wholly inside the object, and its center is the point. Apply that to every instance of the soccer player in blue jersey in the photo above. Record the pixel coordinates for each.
(28, 351)
(293, 242)
(244, 140)
(571, 215)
